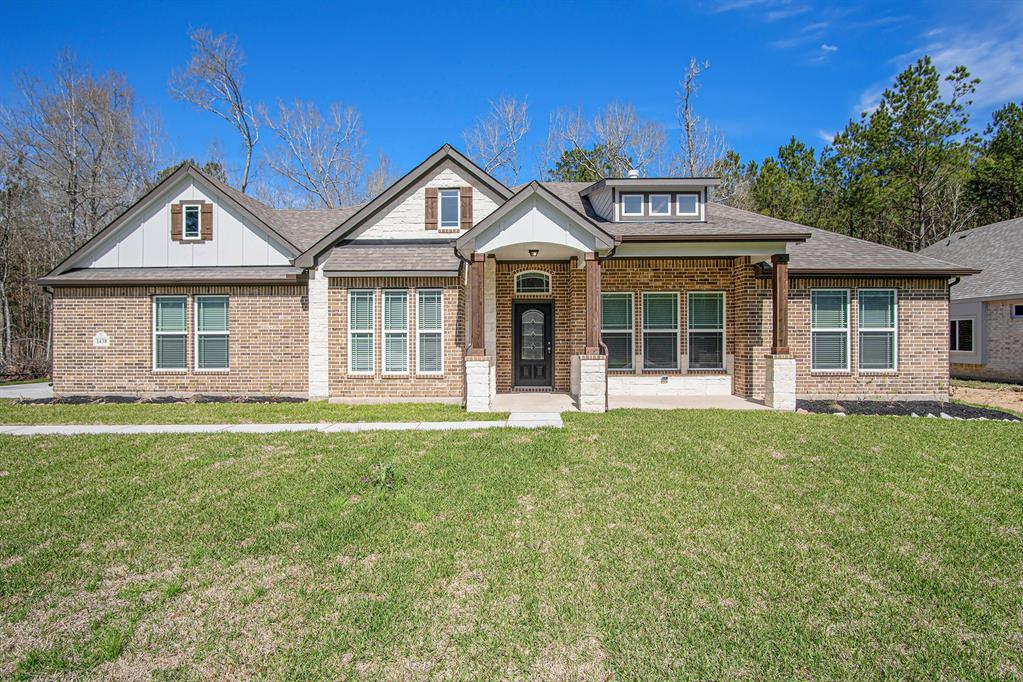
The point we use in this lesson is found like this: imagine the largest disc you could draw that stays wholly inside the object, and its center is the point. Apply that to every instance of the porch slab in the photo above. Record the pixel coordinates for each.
(683, 402)
(533, 403)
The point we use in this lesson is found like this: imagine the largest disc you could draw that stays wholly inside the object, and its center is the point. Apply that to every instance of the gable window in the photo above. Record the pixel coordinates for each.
(169, 332)
(878, 323)
(660, 204)
(360, 331)
(532, 283)
(190, 222)
(660, 330)
(688, 204)
(706, 313)
(829, 330)
(960, 335)
(632, 204)
(616, 329)
(212, 332)
(395, 347)
(430, 331)
(449, 218)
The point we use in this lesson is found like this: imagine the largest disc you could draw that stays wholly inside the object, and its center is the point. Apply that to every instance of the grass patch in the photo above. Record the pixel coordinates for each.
(18, 382)
(632, 545)
(991, 385)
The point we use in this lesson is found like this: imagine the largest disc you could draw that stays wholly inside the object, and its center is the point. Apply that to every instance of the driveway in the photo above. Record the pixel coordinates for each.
(42, 389)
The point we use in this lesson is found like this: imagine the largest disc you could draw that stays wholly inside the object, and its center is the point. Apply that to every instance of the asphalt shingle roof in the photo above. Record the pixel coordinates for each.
(995, 249)
(357, 257)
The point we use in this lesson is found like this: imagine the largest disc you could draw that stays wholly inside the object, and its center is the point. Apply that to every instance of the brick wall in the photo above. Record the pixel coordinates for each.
(268, 347)
(1004, 352)
(412, 385)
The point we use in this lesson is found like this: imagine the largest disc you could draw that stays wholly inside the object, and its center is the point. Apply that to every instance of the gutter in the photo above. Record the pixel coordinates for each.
(774, 237)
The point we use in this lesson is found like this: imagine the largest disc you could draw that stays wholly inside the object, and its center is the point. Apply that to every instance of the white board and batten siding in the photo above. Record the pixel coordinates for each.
(145, 241)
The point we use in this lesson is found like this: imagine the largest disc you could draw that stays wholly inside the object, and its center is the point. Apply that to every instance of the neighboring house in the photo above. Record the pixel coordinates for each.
(450, 285)
(986, 325)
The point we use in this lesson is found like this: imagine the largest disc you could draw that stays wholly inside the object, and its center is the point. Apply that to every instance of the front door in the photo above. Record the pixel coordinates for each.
(534, 334)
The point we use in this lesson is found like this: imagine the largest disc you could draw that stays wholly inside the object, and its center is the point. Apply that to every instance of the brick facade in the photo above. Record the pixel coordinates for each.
(1003, 354)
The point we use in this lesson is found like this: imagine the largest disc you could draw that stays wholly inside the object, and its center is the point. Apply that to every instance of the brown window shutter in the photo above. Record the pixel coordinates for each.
(431, 208)
(465, 209)
(176, 222)
(206, 222)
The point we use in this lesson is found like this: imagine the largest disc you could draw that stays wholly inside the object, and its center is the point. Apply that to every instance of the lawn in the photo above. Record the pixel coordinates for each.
(637, 544)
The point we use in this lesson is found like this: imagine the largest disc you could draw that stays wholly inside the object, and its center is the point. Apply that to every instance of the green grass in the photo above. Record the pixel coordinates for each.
(990, 385)
(231, 413)
(18, 382)
(633, 545)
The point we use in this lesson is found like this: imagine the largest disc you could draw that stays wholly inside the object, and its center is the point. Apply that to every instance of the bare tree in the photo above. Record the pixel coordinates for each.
(494, 142)
(700, 146)
(213, 81)
(615, 141)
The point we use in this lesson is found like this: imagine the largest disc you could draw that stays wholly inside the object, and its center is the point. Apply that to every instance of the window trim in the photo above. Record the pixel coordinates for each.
(384, 332)
(197, 333)
(894, 329)
(973, 334)
(1012, 310)
(642, 204)
(631, 330)
(650, 203)
(848, 333)
(678, 331)
(184, 333)
(545, 275)
(420, 332)
(185, 205)
(723, 330)
(371, 332)
(440, 209)
(699, 204)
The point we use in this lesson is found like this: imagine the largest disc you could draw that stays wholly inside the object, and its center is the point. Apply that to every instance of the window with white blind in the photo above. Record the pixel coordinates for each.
(395, 319)
(212, 333)
(430, 331)
(706, 313)
(170, 330)
(660, 330)
(360, 331)
(449, 209)
(878, 329)
(829, 330)
(616, 329)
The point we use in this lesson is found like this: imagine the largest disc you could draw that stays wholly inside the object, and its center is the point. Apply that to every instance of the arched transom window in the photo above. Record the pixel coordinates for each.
(532, 283)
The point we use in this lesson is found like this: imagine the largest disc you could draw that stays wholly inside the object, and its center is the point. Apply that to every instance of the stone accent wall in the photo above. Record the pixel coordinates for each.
(450, 384)
(268, 342)
(1004, 352)
(319, 356)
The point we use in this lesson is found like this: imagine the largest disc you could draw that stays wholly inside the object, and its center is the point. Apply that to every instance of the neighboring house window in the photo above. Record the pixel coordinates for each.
(169, 332)
(360, 331)
(190, 225)
(829, 329)
(660, 204)
(449, 218)
(212, 332)
(878, 322)
(532, 283)
(430, 331)
(688, 205)
(960, 335)
(706, 330)
(616, 329)
(632, 204)
(1017, 310)
(395, 331)
(660, 331)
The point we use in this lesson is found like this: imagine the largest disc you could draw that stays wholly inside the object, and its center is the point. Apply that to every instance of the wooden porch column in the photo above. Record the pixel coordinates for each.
(780, 309)
(475, 305)
(592, 304)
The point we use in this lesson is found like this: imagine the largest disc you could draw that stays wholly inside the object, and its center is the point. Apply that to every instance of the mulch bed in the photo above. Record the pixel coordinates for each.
(161, 400)
(904, 408)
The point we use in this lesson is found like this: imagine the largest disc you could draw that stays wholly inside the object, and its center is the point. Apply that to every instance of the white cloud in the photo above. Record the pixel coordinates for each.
(826, 136)
(786, 12)
(829, 48)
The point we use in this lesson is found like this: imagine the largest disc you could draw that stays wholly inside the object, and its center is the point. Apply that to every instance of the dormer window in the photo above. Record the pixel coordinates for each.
(190, 224)
(449, 218)
(688, 205)
(660, 204)
(632, 204)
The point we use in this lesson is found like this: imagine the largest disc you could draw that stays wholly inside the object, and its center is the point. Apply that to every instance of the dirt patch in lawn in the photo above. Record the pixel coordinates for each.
(1004, 397)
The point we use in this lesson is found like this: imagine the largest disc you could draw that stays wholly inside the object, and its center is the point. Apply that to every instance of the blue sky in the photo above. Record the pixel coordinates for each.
(421, 73)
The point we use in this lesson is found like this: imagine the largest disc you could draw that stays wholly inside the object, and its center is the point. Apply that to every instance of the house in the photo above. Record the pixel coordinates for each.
(451, 286)
(986, 316)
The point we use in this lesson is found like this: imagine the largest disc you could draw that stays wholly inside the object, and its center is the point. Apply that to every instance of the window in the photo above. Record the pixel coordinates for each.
(190, 229)
(660, 204)
(660, 331)
(169, 332)
(212, 332)
(829, 329)
(877, 324)
(449, 218)
(632, 204)
(706, 312)
(430, 325)
(1017, 310)
(616, 329)
(688, 204)
(532, 283)
(360, 331)
(395, 331)
(960, 335)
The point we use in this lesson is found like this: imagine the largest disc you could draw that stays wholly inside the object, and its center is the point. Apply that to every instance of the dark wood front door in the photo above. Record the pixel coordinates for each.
(534, 336)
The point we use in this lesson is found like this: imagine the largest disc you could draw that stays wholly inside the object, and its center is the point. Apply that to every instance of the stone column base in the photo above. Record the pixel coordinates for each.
(780, 385)
(477, 383)
(589, 382)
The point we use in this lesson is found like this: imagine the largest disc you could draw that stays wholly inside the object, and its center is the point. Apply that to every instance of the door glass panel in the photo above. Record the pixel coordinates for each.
(532, 335)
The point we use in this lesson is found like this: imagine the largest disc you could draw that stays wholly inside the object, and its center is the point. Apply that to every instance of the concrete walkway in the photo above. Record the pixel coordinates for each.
(40, 389)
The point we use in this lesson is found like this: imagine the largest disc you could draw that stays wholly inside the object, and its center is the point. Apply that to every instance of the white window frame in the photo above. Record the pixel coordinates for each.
(195, 321)
(545, 275)
(848, 333)
(184, 221)
(420, 332)
(1012, 310)
(973, 334)
(642, 204)
(678, 331)
(723, 330)
(183, 333)
(860, 329)
(650, 203)
(631, 330)
(371, 331)
(440, 209)
(699, 204)
(385, 332)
